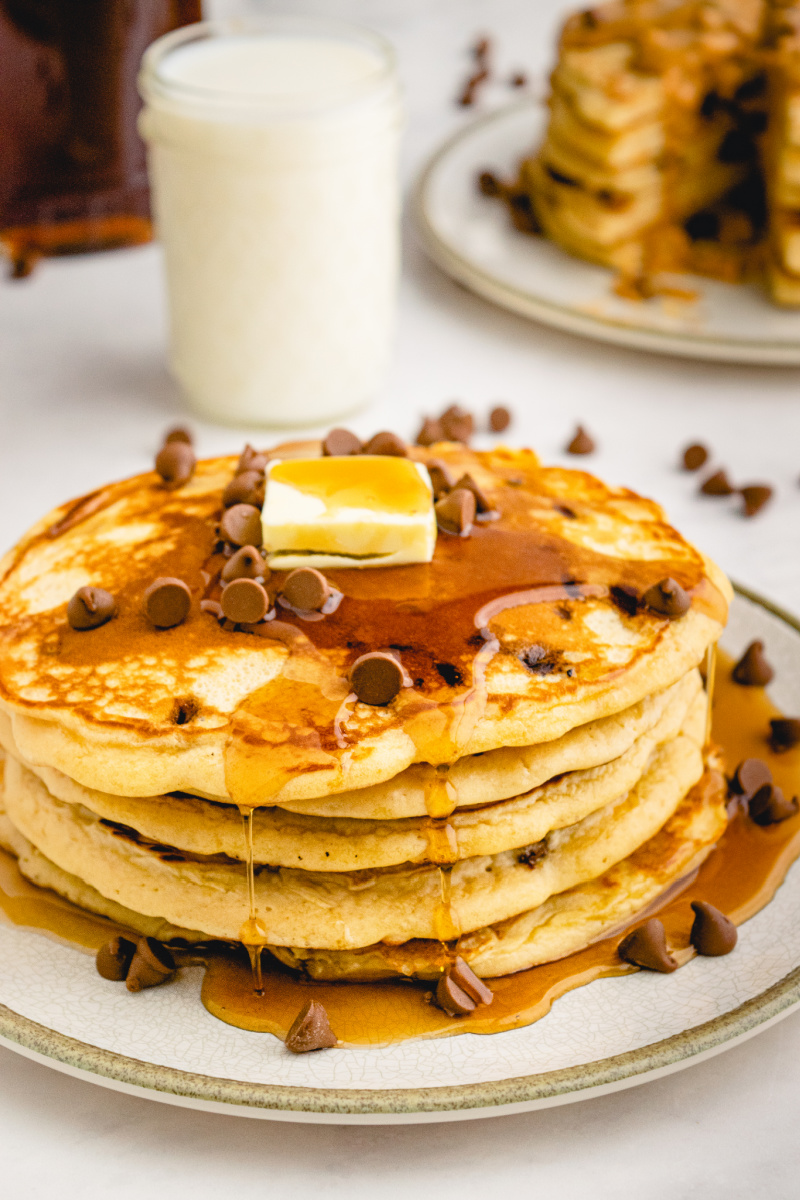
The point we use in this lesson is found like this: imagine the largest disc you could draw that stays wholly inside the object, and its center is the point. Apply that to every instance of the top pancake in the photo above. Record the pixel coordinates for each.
(137, 711)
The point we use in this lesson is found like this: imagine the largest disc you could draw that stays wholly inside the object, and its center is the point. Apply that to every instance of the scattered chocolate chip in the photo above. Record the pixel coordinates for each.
(246, 563)
(90, 608)
(306, 589)
(457, 424)
(340, 443)
(179, 433)
(449, 673)
(430, 432)
(667, 598)
(717, 484)
(175, 463)
(531, 856)
(752, 669)
(376, 678)
(489, 184)
(460, 991)
(151, 965)
(754, 497)
(582, 442)
(241, 525)
(713, 934)
(246, 488)
(566, 511)
(311, 1030)
(784, 734)
(244, 600)
(211, 606)
(647, 947)
(482, 504)
(769, 805)
(627, 598)
(455, 512)
(386, 443)
(467, 97)
(167, 602)
(251, 460)
(481, 50)
(535, 659)
(469, 982)
(519, 79)
(750, 775)
(442, 479)
(694, 457)
(114, 959)
(499, 419)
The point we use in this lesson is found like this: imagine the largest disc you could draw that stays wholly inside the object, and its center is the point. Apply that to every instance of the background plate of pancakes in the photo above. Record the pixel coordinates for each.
(615, 1033)
(471, 237)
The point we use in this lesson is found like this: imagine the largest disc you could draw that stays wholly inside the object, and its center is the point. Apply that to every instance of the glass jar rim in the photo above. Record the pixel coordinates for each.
(154, 84)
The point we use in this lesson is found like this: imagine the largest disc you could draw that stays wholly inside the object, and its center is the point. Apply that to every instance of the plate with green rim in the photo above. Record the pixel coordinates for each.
(614, 1033)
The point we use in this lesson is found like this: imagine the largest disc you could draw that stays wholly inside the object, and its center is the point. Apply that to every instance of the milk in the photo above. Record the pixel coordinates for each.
(273, 164)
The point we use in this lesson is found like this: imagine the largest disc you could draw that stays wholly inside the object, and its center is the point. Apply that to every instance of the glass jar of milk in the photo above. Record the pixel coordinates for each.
(272, 148)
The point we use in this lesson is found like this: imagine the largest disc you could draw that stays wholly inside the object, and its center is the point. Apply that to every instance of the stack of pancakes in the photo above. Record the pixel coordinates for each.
(673, 141)
(542, 778)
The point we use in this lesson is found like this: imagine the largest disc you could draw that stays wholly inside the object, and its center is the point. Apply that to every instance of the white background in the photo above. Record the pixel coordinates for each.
(84, 396)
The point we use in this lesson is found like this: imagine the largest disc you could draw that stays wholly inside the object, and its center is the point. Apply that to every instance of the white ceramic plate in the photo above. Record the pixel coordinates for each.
(612, 1034)
(471, 237)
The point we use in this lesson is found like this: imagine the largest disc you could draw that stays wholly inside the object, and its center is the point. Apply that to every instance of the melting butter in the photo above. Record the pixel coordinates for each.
(360, 511)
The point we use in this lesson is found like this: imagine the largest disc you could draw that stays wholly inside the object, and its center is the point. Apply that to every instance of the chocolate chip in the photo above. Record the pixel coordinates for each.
(241, 525)
(499, 419)
(694, 457)
(489, 184)
(457, 424)
(531, 856)
(276, 631)
(455, 512)
(713, 934)
(246, 488)
(717, 484)
(754, 497)
(752, 669)
(582, 442)
(442, 479)
(251, 460)
(469, 982)
(518, 80)
(175, 463)
(179, 433)
(211, 606)
(340, 443)
(386, 443)
(750, 775)
(246, 563)
(667, 598)
(627, 598)
(306, 589)
(769, 806)
(482, 505)
(647, 947)
(167, 602)
(376, 678)
(311, 1030)
(151, 965)
(114, 959)
(784, 734)
(90, 608)
(430, 432)
(244, 600)
(452, 999)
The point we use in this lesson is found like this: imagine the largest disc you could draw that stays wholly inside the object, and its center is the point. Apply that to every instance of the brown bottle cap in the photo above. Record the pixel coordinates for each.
(442, 478)
(468, 981)
(713, 934)
(752, 669)
(582, 442)
(455, 512)
(784, 734)
(452, 999)
(311, 1030)
(251, 460)
(769, 806)
(754, 497)
(499, 419)
(244, 600)
(167, 602)
(246, 488)
(647, 947)
(458, 425)
(694, 457)
(90, 608)
(482, 504)
(114, 959)
(430, 432)
(246, 563)
(179, 433)
(340, 443)
(376, 678)
(175, 463)
(306, 589)
(386, 443)
(151, 965)
(717, 484)
(749, 776)
(667, 598)
(241, 525)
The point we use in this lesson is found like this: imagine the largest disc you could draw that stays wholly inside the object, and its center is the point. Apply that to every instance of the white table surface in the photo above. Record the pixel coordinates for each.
(84, 396)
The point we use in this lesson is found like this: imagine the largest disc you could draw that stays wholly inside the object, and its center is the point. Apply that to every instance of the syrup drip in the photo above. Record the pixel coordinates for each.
(252, 935)
(711, 678)
(445, 920)
(441, 796)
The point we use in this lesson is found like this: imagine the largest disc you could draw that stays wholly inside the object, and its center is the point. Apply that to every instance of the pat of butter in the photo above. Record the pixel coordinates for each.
(360, 511)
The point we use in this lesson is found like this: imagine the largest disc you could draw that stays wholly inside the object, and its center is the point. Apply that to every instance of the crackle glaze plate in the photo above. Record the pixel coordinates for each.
(472, 239)
(614, 1033)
